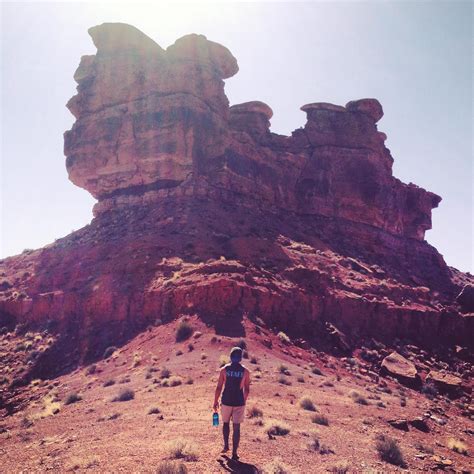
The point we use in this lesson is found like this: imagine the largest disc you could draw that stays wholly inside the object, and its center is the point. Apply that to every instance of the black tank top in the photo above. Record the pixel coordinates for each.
(233, 395)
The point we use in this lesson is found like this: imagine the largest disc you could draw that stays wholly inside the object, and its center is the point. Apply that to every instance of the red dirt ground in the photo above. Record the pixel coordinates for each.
(98, 435)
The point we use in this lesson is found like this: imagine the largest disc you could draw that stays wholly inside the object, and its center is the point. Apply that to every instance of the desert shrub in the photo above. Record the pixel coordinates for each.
(109, 351)
(358, 398)
(72, 397)
(165, 373)
(109, 382)
(168, 467)
(314, 443)
(283, 369)
(184, 331)
(124, 395)
(153, 410)
(91, 369)
(307, 404)
(283, 338)
(276, 467)
(284, 380)
(174, 381)
(457, 446)
(125, 379)
(223, 360)
(339, 469)
(277, 428)
(203, 356)
(190, 347)
(137, 359)
(316, 371)
(189, 381)
(300, 379)
(320, 420)
(181, 448)
(242, 343)
(255, 412)
(389, 450)
(253, 360)
(430, 390)
(424, 449)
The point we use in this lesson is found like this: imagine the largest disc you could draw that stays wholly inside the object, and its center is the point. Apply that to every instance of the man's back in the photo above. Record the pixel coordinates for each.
(233, 389)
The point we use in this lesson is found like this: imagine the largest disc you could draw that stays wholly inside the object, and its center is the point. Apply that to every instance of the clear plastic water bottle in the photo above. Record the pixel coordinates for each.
(215, 419)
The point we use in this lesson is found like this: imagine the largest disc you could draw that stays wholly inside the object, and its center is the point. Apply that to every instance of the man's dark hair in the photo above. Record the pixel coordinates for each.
(236, 353)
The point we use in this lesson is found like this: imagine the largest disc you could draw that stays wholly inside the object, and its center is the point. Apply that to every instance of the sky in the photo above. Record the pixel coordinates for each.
(415, 57)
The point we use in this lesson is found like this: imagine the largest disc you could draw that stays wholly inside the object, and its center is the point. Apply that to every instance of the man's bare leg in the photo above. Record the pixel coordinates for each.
(226, 432)
(235, 439)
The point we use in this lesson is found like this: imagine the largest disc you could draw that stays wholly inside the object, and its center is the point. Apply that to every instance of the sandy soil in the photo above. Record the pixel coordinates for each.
(98, 435)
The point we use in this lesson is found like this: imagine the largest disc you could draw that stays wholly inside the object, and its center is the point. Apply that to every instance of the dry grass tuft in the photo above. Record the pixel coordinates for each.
(307, 404)
(457, 446)
(389, 451)
(276, 467)
(277, 428)
(181, 448)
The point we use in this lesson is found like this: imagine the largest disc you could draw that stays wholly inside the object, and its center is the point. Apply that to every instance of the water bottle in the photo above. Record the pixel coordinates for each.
(215, 419)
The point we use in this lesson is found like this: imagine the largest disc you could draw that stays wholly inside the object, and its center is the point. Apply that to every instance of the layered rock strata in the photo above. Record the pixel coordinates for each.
(203, 210)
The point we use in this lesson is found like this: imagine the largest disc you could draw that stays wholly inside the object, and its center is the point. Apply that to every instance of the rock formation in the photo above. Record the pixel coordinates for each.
(203, 210)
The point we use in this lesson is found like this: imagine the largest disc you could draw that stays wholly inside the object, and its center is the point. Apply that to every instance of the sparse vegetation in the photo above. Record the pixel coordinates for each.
(430, 391)
(189, 381)
(253, 360)
(457, 446)
(174, 381)
(389, 450)
(72, 397)
(307, 404)
(184, 331)
(276, 467)
(284, 380)
(316, 371)
(109, 352)
(277, 428)
(339, 469)
(223, 360)
(153, 411)
(168, 467)
(284, 338)
(283, 369)
(124, 395)
(190, 347)
(165, 373)
(300, 379)
(255, 412)
(91, 370)
(320, 420)
(203, 356)
(314, 444)
(181, 448)
(358, 398)
(137, 359)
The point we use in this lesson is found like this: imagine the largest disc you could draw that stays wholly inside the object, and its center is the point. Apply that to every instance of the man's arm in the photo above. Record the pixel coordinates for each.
(220, 384)
(246, 383)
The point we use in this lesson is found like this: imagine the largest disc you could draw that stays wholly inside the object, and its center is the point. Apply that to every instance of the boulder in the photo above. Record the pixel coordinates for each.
(402, 369)
(445, 382)
(370, 107)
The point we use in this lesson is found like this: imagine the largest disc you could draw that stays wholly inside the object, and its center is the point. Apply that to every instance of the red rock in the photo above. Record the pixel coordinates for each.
(399, 367)
(444, 381)
(370, 107)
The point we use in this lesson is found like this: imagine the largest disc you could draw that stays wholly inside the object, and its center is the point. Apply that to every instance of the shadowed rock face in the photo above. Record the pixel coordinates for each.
(203, 210)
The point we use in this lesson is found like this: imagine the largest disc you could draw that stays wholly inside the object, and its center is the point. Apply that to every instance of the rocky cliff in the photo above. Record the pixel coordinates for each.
(203, 210)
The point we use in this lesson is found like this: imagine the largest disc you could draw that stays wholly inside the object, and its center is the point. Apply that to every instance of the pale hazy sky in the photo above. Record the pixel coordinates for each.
(415, 57)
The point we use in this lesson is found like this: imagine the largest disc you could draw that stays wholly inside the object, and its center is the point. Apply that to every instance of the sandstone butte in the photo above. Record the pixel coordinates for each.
(202, 210)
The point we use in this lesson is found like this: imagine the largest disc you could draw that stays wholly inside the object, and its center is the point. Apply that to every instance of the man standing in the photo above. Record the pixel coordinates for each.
(235, 379)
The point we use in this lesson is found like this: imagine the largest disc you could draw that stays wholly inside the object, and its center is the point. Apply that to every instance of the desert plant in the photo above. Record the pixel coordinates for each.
(153, 410)
(181, 448)
(300, 379)
(277, 428)
(203, 356)
(109, 382)
(184, 331)
(137, 359)
(223, 360)
(168, 467)
(255, 412)
(283, 338)
(109, 351)
(276, 467)
(316, 371)
(389, 450)
(253, 360)
(190, 347)
(189, 381)
(457, 446)
(165, 373)
(124, 395)
(174, 381)
(339, 469)
(242, 343)
(358, 398)
(320, 420)
(91, 369)
(284, 380)
(307, 404)
(72, 397)
(430, 390)
(283, 369)
(314, 443)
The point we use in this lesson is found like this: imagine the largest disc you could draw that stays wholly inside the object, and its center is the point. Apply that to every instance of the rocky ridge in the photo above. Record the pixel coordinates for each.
(203, 210)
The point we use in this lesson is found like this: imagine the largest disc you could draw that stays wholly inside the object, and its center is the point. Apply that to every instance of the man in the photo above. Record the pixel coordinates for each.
(235, 379)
